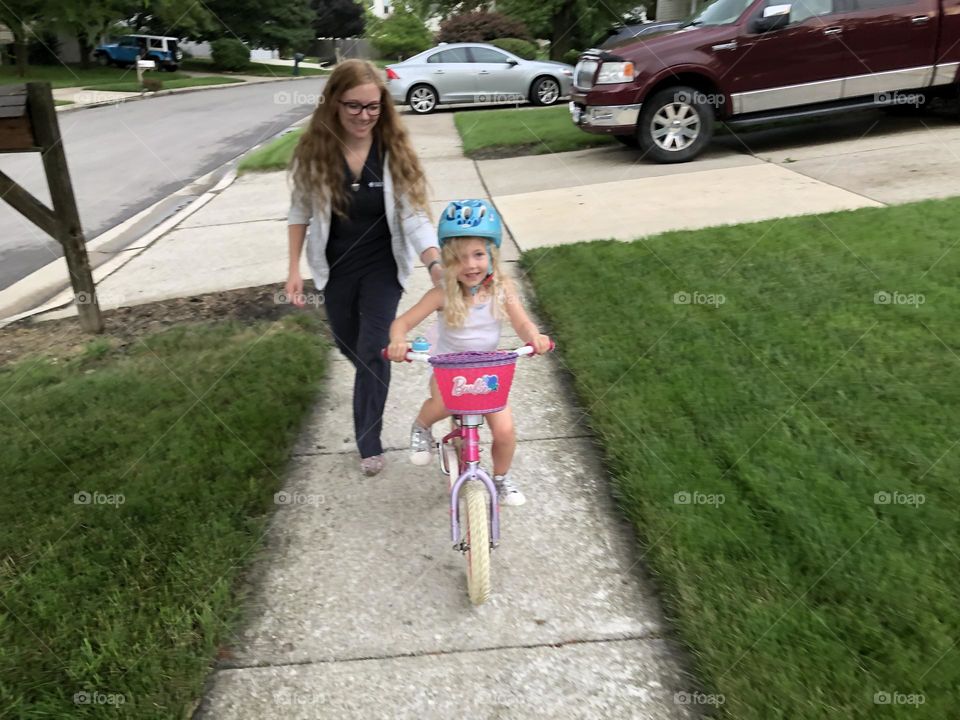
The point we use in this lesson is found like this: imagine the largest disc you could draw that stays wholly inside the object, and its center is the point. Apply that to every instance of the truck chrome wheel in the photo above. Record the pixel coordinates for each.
(675, 126)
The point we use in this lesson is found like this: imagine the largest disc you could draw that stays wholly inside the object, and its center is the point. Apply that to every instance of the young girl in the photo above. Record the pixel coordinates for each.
(473, 301)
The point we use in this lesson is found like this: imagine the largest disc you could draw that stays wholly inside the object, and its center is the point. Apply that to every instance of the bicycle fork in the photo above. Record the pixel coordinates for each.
(469, 433)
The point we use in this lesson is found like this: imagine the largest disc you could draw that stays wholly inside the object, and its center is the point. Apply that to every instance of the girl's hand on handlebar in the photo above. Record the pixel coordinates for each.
(541, 344)
(397, 350)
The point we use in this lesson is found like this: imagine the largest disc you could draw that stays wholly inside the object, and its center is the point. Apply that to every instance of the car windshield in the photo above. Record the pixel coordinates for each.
(721, 12)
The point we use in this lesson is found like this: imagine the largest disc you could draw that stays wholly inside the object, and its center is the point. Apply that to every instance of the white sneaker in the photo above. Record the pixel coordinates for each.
(421, 444)
(507, 491)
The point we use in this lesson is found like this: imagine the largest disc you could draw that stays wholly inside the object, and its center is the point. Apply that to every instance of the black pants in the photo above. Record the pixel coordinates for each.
(360, 309)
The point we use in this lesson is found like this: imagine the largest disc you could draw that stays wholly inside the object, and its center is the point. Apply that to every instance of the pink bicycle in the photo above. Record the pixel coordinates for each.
(472, 384)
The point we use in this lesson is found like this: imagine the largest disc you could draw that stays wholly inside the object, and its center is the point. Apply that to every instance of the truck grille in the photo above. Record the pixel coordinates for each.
(584, 73)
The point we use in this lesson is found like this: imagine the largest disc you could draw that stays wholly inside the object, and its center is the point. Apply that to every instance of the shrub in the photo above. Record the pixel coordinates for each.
(570, 57)
(520, 48)
(401, 35)
(481, 27)
(229, 54)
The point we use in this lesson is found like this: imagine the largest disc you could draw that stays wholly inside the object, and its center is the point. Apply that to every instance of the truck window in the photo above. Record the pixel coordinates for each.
(803, 9)
(721, 12)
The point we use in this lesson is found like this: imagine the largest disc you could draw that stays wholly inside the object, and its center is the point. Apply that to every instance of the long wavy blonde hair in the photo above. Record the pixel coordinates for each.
(317, 163)
(455, 304)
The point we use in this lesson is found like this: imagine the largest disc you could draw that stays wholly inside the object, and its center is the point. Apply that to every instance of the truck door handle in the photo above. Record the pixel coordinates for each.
(732, 45)
(438, 72)
(920, 19)
(833, 31)
(484, 72)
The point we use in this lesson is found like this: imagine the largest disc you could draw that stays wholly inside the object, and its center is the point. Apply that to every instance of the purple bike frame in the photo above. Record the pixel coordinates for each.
(469, 433)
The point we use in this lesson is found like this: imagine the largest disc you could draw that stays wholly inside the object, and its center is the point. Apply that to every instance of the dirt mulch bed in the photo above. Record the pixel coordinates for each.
(64, 338)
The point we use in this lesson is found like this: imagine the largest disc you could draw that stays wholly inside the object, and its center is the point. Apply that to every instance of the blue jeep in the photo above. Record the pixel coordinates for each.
(130, 48)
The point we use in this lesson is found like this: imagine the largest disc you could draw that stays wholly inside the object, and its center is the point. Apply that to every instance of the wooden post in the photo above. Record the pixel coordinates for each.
(63, 222)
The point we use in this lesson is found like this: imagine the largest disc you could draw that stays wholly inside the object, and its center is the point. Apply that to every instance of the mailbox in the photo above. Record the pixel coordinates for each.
(16, 131)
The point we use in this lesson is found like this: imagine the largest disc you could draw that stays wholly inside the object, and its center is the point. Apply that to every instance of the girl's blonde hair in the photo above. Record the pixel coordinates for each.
(317, 164)
(455, 308)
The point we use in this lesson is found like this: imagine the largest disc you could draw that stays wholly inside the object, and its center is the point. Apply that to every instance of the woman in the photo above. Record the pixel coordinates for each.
(360, 188)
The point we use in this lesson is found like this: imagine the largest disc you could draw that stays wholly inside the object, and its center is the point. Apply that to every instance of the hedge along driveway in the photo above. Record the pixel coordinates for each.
(778, 405)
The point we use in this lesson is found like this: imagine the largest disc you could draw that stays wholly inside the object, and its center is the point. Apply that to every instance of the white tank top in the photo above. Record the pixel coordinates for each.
(480, 331)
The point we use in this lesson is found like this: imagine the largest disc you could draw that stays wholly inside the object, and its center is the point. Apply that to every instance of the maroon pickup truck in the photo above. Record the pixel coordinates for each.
(752, 61)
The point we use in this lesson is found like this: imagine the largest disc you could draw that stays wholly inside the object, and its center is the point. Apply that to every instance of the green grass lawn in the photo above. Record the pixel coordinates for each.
(272, 156)
(60, 76)
(522, 132)
(779, 411)
(170, 81)
(137, 483)
(58, 103)
(259, 69)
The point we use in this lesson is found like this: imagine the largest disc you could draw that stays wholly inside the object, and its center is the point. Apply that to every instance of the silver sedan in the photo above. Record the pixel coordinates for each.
(475, 73)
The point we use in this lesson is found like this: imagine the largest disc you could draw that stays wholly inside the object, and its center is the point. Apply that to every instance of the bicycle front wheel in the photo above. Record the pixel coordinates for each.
(478, 541)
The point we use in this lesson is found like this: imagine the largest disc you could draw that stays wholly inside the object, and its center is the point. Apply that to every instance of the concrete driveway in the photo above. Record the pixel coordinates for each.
(866, 159)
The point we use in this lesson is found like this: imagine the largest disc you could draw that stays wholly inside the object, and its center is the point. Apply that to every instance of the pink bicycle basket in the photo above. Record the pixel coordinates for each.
(474, 383)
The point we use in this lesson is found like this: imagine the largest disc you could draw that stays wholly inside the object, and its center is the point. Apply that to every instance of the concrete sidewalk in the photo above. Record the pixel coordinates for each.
(358, 605)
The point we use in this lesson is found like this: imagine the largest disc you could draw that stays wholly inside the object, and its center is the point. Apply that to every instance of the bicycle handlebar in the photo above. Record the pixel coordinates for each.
(412, 356)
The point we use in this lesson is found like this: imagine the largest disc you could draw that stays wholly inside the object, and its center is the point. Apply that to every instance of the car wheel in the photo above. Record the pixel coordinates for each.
(422, 99)
(545, 91)
(103, 60)
(676, 124)
(628, 140)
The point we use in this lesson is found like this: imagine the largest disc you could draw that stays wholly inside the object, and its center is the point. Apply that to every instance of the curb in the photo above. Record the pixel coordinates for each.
(134, 97)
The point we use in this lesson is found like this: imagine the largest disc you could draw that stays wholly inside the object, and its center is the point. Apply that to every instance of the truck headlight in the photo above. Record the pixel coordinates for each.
(615, 72)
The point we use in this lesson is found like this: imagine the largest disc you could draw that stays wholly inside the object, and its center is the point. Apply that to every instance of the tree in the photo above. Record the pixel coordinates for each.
(402, 34)
(279, 24)
(22, 17)
(86, 20)
(567, 24)
(337, 18)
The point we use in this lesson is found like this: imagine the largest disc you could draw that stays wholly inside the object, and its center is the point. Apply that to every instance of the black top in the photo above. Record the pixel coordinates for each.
(360, 242)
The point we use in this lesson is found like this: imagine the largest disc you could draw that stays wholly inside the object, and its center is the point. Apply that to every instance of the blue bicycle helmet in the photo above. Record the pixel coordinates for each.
(470, 218)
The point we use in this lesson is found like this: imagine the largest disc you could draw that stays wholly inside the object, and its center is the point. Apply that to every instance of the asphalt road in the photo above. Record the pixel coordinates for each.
(126, 157)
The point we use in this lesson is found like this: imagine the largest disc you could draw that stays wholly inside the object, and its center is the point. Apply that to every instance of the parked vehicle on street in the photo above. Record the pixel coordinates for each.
(164, 51)
(752, 61)
(475, 73)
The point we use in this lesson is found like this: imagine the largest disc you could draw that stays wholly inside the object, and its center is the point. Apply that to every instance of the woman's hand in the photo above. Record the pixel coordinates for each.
(294, 290)
(436, 274)
(541, 343)
(397, 350)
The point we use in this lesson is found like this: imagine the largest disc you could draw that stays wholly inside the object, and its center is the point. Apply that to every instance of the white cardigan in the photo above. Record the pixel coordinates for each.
(411, 231)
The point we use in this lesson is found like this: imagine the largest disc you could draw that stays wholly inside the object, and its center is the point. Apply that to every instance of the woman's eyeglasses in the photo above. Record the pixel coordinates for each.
(355, 108)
